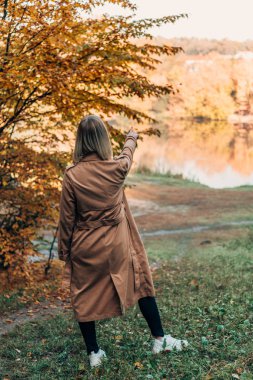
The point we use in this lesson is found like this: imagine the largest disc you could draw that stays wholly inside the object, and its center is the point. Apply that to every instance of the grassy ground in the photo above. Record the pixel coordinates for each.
(204, 295)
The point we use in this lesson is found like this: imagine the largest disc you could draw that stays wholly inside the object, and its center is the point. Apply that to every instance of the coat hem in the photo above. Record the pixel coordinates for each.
(96, 317)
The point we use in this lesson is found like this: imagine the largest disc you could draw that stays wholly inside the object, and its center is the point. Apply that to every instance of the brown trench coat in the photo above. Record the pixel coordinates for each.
(106, 264)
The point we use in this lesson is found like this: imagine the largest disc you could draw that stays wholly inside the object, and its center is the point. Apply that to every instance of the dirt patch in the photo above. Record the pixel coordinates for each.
(157, 207)
(42, 310)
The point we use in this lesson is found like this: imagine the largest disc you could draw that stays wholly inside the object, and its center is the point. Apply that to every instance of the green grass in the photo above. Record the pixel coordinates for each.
(9, 302)
(204, 294)
(146, 175)
(162, 179)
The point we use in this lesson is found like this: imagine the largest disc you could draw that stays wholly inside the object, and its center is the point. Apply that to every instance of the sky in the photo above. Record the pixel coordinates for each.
(212, 19)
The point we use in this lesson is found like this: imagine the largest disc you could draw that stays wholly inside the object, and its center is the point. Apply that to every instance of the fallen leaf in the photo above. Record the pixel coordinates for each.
(118, 337)
(194, 283)
(67, 307)
(138, 365)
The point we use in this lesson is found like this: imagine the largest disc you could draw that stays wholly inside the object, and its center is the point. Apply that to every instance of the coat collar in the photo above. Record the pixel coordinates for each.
(93, 156)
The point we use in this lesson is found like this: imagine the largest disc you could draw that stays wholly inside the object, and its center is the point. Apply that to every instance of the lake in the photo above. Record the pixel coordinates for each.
(216, 154)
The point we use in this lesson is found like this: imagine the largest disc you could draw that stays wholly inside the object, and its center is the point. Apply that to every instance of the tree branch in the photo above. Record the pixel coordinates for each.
(5, 9)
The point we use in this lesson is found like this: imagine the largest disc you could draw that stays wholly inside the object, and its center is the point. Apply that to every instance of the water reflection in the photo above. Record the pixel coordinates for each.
(216, 154)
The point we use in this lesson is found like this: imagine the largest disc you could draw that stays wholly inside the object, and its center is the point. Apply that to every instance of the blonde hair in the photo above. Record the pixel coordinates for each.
(92, 136)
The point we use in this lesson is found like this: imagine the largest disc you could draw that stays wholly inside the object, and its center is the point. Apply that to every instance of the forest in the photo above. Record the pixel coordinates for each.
(212, 80)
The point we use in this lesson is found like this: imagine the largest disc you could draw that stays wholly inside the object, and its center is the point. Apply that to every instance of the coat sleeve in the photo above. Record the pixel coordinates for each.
(125, 158)
(66, 218)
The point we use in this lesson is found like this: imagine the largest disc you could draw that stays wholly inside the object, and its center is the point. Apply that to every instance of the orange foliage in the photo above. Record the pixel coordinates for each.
(56, 66)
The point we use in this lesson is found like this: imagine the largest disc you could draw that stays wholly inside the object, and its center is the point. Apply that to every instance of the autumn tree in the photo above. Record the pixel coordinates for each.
(58, 63)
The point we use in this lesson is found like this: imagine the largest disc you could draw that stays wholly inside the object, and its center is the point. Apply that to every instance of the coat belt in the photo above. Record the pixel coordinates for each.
(113, 219)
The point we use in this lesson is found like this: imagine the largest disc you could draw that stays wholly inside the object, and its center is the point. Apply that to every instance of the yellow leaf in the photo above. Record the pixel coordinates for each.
(138, 365)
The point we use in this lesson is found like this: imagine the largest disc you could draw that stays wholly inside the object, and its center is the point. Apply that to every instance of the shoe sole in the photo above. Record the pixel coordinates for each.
(99, 364)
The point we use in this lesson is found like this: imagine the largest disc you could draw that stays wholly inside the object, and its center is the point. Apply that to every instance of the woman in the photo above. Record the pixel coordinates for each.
(105, 259)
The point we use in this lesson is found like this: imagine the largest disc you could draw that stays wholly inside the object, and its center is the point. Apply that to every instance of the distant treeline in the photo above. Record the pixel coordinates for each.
(209, 83)
(195, 46)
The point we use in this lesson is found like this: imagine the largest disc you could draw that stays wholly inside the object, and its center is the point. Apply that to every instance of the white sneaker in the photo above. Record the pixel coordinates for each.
(168, 343)
(96, 357)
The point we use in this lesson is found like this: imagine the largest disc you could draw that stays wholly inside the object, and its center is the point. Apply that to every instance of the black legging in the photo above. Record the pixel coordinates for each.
(150, 312)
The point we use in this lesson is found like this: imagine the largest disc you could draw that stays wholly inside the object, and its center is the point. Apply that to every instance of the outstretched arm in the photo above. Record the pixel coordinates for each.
(66, 218)
(125, 158)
